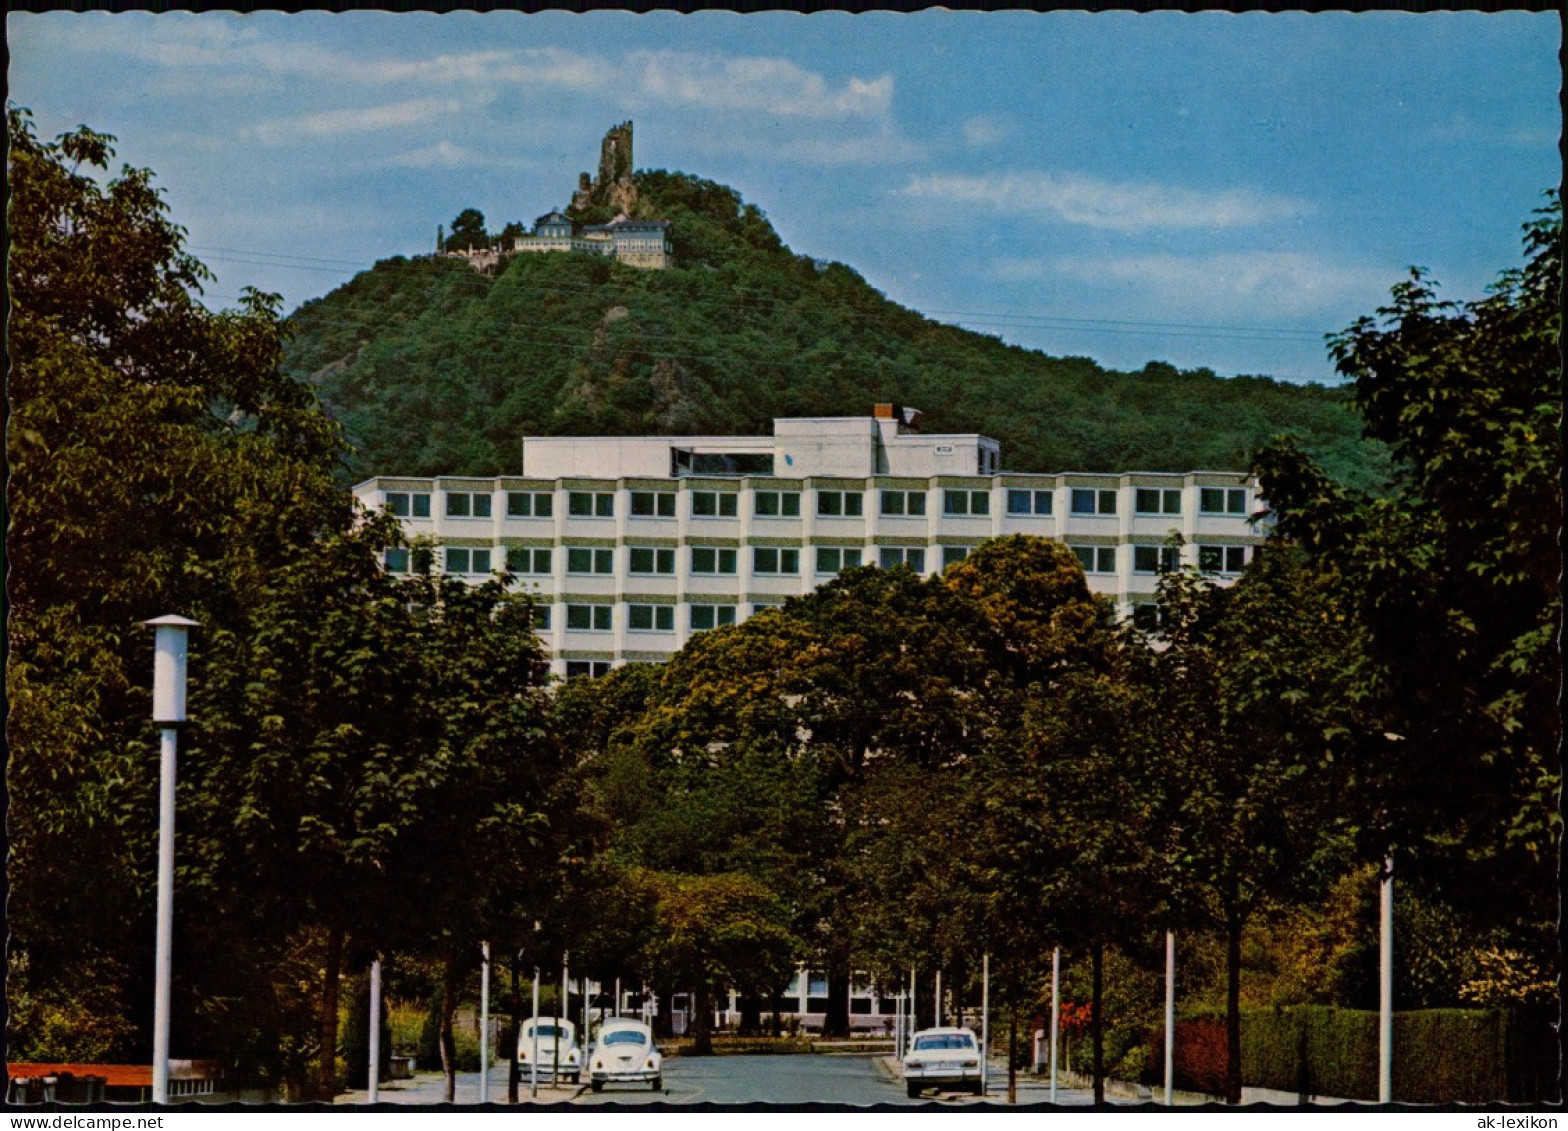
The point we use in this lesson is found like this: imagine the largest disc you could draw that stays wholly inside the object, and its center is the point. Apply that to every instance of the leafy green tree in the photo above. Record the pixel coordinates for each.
(715, 932)
(468, 231)
(1451, 583)
(158, 462)
(1245, 701)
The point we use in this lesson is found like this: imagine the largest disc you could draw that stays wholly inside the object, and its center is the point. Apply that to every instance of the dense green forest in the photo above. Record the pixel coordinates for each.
(434, 368)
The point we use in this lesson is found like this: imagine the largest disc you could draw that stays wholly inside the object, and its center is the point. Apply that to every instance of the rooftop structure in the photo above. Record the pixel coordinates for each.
(633, 544)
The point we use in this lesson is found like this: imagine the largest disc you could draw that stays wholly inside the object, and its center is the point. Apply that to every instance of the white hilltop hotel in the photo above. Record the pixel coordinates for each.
(634, 544)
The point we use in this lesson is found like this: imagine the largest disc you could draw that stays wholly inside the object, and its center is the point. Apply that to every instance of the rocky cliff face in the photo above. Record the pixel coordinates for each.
(612, 190)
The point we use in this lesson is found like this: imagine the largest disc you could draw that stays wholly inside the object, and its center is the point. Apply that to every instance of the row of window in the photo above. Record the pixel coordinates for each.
(785, 561)
(830, 504)
(639, 618)
(1162, 559)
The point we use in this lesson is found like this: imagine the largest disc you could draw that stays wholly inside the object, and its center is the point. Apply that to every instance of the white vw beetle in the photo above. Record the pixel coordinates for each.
(557, 1045)
(625, 1054)
(947, 1058)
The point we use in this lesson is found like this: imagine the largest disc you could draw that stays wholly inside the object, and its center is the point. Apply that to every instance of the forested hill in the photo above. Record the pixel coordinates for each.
(434, 368)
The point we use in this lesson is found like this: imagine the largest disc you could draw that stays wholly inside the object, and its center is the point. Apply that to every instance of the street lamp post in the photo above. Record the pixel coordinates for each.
(1056, 1011)
(484, 1023)
(1385, 988)
(985, 1018)
(375, 1029)
(168, 708)
(1170, 1016)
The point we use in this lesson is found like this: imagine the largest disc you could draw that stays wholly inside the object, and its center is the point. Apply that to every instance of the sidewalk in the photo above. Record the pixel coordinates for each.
(430, 1088)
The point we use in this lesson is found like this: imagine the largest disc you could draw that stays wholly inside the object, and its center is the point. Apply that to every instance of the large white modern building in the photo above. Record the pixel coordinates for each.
(633, 544)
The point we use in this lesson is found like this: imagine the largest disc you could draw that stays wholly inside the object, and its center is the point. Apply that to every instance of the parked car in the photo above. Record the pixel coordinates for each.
(557, 1048)
(625, 1053)
(943, 1058)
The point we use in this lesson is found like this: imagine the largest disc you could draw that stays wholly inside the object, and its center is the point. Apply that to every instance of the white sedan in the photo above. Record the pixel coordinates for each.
(943, 1058)
(556, 1048)
(625, 1054)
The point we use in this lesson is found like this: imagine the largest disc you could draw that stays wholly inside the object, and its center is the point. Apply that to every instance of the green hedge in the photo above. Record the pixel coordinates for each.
(1440, 1055)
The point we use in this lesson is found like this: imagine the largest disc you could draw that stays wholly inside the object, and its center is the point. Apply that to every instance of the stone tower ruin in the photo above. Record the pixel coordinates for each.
(613, 187)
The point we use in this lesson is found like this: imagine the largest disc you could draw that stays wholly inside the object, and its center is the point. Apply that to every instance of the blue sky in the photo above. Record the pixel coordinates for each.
(1203, 189)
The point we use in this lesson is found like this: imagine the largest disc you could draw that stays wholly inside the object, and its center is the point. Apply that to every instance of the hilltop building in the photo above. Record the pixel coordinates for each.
(637, 243)
(634, 544)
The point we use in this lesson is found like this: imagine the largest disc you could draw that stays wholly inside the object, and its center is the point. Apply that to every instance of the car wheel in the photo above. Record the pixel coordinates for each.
(577, 1077)
(596, 1085)
(658, 1083)
(913, 1090)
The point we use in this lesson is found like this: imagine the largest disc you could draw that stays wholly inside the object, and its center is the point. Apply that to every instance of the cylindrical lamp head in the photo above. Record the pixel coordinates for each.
(168, 668)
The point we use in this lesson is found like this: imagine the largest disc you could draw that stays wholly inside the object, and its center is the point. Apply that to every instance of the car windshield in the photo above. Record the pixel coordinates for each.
(944, 1041)
(624, 1037)
(546, 1031)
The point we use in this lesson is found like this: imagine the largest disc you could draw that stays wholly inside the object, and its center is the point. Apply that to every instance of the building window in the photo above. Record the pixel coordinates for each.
(588, 618)
(1222, 559)
(966, 502)
(522, 559)
(762, 606)
(650, 559)
(1222, 500)
(704, 617)
(1148, 616)
(833, 559)
(777, 504)
(911, 503)
(1087, 500)
(768, 559)
(1153, 500)
(591, 504)
(1155, 559)
(714, 504)
(542, 618)
(582, 559)
(650, 618)
(653, 504)
(587, 669)
(530, 504)
(397, 559)
(460, 559)
(1096, 559)
(951, 554)
(914, 557)
(409, 504)
(706, 559)
(467, 504)
(847, 504)
(1028, 502)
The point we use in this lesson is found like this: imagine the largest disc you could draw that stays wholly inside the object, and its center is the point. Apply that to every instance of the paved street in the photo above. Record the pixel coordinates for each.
(800, 1079)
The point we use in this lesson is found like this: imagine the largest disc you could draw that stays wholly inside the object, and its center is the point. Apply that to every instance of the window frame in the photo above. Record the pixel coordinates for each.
(601, 504)
(1167, 558)
(716, 610)
(903, 553)
(1098, 554)
(726, 504)
(969, 498)
(594, 618)
(633, 611)
(1228, 495)
(598, 555)
(839, 552)
(1033, 496)
(719, 559)
(1099, 495)
(842, 500)
(662, 504)
(533, 553)
(534, 499)
(780, 509)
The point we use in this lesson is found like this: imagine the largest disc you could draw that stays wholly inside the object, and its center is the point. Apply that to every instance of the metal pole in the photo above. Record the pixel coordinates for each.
(168, 708)
(484, 1023)
(617, 997)
(985, 1019)
(1056, 1011)
(165, 943)
(1385, 989)
(533, 1061)
(914, 1021)
(1170, 1015)
(563, 1013)
(938, 1021)
(375, 1029)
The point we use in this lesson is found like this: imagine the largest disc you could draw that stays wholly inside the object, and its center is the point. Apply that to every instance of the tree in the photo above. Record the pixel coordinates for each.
(1243, 691)
(159, 462)
(468, 231)
(1451, 584)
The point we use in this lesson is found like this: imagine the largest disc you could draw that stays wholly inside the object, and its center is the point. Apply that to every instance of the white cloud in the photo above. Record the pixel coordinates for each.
(774, 86)
(1269, 283)
(336, 123)
(445, 155)
(1122, 207)
(985, 130)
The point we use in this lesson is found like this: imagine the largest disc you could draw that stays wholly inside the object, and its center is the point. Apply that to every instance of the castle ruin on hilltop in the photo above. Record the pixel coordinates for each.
(641, 243)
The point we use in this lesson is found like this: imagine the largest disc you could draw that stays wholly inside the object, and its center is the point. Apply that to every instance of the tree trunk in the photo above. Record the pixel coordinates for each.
(1233, 925)
(1012, 1054)
(1097, 1021)
(327, 1075)
(778, 1022)
(835, 1022)
(515, 1006)
(702, 1022)
(448, 1042)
